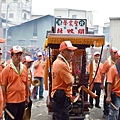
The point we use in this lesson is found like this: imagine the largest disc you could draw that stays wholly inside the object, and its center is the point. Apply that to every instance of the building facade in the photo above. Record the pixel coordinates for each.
(106, 32)
(75, 14)
(16, 11)
(31, 33)
(98, 29)
(114, 32)
(1, 29)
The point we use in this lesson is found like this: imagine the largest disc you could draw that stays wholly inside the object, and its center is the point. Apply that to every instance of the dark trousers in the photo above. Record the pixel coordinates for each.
(106, 108)
(61, 109)
(16, 109)
(30, 104)
(97, 89)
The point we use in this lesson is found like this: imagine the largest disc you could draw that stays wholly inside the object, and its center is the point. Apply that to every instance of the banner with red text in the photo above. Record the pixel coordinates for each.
(70, 26)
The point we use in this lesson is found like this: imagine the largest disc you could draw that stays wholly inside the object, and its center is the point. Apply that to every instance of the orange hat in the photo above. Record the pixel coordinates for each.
(16, 49)
(27, 59)
(67, 45)
(113, 49)
(96, 53)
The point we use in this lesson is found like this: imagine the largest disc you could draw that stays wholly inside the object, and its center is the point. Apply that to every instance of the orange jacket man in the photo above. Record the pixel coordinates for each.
(15, 85)
(97, 81)
(113, 88)
(39, 74)
(106, 66)
(27, 61)
(1, 100)
(62, 81)
(2, 61)
(2, 65)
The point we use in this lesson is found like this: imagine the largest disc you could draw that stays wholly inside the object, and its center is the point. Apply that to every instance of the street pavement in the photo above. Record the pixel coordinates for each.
(40, 112)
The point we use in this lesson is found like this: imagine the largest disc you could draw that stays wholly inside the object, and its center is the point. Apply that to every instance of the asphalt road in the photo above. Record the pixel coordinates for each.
(39, 110)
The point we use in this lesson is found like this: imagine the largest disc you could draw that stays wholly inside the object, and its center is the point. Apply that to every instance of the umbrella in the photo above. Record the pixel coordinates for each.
(2, 40)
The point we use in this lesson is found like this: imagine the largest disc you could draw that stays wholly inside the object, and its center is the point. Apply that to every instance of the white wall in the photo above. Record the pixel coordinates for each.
(69, 13)
(115, 32)
(17, 8)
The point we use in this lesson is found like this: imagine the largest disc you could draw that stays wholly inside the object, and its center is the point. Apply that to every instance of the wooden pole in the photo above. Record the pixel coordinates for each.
(113, 106)
(9, 114)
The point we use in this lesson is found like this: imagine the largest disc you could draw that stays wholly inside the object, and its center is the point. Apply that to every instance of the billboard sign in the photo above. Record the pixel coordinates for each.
(70, 26)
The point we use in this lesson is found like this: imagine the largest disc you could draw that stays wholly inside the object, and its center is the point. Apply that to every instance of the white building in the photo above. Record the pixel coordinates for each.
(75, 14)
(115, 32)
(16, 11)
(98, 30)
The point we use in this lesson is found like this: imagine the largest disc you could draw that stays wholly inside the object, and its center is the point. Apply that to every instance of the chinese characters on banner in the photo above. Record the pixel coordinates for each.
(70, 26)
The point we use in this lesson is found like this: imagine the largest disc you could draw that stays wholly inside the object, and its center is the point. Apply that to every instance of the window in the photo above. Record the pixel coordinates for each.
(3, 1)
(3, 15)
(35, 29)
(33, 42)
(25, 16)
(74, 16)
(22, 42)
(10, 15)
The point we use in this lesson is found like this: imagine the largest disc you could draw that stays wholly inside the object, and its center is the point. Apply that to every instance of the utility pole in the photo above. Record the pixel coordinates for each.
(1, 29)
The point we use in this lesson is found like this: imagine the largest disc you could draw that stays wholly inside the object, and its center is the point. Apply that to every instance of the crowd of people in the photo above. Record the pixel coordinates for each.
(107, 79)
(106, 76)
(15, 82)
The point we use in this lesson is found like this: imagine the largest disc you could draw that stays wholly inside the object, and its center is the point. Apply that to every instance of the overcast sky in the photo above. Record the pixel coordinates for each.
(102, 9)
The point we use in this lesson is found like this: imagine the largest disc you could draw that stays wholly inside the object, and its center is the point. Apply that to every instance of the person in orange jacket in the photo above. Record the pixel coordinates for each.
(113, 89)
(97, 81)
(62, 81)
(2, 61)
(27, 61)
(39, 66)
(1, 101)
(106, 66)
(15, 85)
(2, 65)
